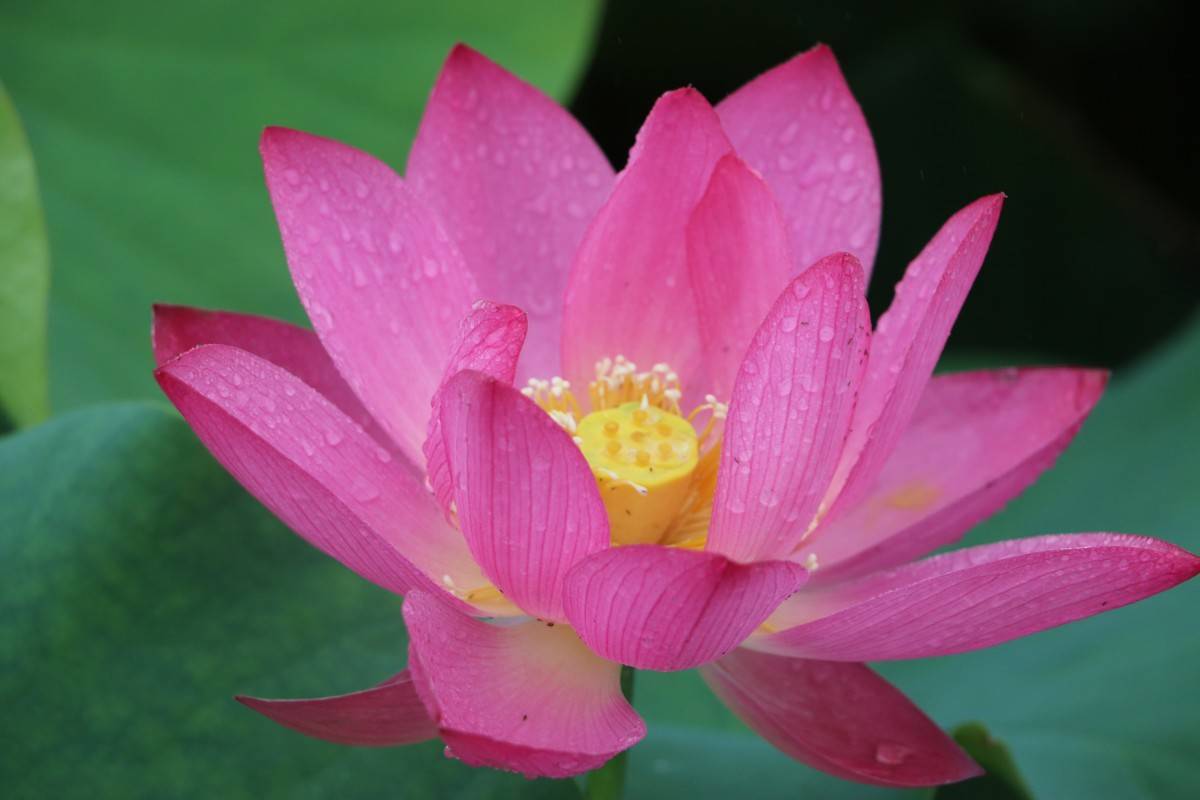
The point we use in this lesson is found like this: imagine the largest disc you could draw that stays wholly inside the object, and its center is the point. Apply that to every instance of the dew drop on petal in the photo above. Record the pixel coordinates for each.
(891, 753)
(363, 490)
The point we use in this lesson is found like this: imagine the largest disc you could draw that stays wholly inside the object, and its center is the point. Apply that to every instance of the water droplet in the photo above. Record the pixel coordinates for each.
(320, 316)
(363, 490)
(431, 268)
(892, 754)
(787, 324)
(292, 177)
(826, 333)
(333, 436)
(846, 162)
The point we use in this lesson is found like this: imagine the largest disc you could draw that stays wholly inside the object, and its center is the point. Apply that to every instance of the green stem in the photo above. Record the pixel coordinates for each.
(608, 782)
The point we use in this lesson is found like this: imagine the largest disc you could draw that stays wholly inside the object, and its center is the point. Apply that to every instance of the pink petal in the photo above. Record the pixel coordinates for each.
(908, 341)
(178, 329)
(529, 697)
(739, 261)
(388, 714)
(629, 291)
(839, 718)
(382, 283)
(667, 608)
(527, 501)
(977, 440)
(516, 180)
(978, 597)
(316, 470)
(489, 341)
(799, 125)
(790, 411)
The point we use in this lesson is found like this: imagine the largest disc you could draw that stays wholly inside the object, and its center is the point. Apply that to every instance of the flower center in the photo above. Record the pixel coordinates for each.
(643, 459)
(655, 476)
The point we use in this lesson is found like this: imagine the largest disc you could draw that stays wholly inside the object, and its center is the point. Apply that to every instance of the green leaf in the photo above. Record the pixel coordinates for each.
(1003, 780)
(24, 278)
(145, 119)
(142, 589)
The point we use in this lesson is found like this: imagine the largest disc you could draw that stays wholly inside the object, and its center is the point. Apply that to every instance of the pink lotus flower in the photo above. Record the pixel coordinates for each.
(752, 509)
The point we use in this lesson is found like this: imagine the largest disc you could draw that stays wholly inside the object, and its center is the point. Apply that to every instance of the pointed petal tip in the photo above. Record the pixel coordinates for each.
(272, 134)
(276, 139)
(820, 51)
(843, 262)
(993, 201)
(961, 769)
(461, 50)
(683, 96)
(463, 59)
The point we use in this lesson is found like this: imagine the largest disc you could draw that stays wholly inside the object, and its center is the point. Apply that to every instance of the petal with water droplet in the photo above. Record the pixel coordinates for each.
(799, 125)
(528, 697)
(739, 260)
(371, 515)
(516, 221)
(784, 445)
(389, 338)
(977, 597)
(839, 718)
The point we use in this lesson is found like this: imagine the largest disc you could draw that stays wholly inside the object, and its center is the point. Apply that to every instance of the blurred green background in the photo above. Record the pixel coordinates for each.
(142, 587)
